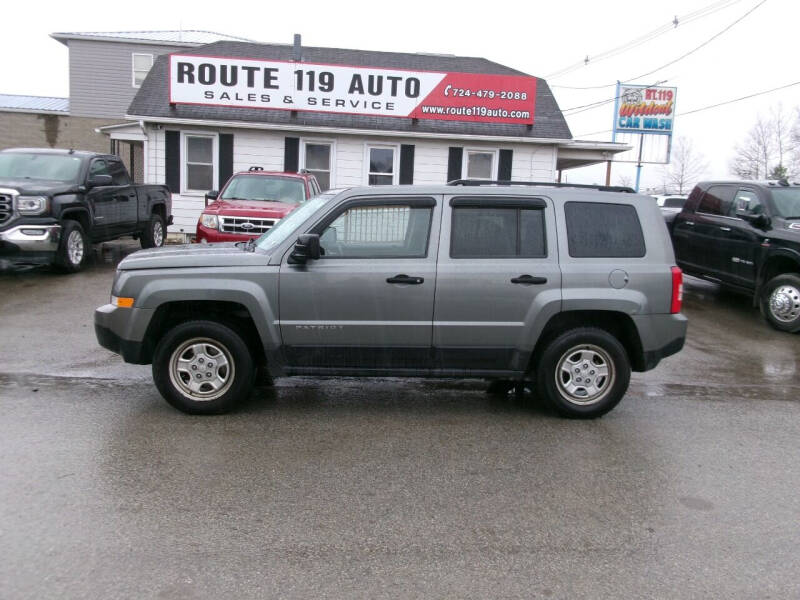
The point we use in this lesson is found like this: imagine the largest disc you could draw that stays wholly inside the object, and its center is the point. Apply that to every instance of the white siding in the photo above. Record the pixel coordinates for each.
(266, 149)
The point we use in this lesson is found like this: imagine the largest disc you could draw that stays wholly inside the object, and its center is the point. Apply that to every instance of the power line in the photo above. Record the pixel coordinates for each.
(592, 105)
(706, 43)
(659, 31)
(599, 103)
(717, 105)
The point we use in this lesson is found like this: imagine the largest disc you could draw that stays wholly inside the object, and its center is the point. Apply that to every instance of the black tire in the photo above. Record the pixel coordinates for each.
(155, 234)
(73, 247)
(587, 350)
(198, 344)
(780, 302)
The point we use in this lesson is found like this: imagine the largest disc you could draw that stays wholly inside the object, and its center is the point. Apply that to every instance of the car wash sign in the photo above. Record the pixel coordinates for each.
(248, 83)
(644, 109)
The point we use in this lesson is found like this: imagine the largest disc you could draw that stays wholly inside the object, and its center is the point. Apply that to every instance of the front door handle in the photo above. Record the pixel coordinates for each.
(725, 228)
(529, 280)
(402, 278)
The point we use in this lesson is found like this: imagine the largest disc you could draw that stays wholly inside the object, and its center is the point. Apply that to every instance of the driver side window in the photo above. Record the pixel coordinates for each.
(378, 231)
(747, 202)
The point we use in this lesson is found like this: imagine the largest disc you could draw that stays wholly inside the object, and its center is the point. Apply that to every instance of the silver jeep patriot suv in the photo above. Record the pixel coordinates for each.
(565, 288)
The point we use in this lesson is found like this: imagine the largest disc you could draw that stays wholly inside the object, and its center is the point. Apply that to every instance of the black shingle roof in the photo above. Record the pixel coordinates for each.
(152, 100)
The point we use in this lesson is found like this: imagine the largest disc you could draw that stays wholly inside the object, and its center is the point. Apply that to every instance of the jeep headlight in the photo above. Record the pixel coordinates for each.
(209, 221)
(31, 205)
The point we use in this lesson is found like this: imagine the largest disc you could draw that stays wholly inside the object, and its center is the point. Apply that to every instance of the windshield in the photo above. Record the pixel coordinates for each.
(47, 167)
(289, 190)
(787, 202)
(287, 225)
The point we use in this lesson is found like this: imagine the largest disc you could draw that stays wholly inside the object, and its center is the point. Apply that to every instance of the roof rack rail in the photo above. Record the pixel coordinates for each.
(602, 188)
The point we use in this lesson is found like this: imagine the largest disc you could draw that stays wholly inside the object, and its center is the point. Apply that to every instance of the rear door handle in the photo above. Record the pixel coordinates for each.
(725, 228)
(689, 222)
(402, 278)
(529, 280)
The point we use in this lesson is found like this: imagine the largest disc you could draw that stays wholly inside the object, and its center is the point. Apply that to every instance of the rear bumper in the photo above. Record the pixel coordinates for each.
(661, 336)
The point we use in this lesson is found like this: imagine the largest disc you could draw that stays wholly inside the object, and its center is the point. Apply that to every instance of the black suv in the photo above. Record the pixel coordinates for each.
(745, 235)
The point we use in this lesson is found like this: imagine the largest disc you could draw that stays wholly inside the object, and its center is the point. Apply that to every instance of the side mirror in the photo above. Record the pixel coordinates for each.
(212, 195)
(306, 248)
(99, 181)
(760, 220)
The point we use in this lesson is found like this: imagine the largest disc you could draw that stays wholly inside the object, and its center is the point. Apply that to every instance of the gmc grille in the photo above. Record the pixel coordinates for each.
(6, 207)
(245, 225)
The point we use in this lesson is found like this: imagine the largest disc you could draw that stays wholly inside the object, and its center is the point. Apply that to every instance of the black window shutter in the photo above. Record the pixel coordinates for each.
(504, 167)
(291, 154)
(407, 164)
(454, 160)
(225, 158)
(172, 156)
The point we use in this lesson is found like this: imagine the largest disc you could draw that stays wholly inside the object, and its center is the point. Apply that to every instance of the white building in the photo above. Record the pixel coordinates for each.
(206, 112)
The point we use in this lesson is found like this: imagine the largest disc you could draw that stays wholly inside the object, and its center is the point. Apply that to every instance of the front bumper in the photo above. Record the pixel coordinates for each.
(206, 234)
(29, 244)
(123, 331)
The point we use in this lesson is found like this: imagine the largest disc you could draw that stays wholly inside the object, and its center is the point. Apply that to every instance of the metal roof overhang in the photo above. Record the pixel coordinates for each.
(582, 153)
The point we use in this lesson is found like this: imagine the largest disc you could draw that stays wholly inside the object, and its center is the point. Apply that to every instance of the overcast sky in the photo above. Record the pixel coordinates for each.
(539, 38)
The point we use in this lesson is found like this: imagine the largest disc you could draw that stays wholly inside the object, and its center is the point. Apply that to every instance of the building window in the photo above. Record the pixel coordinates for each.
(317, 160)
(199, 163)
(381, 164)
(141, 67)
(479, 164)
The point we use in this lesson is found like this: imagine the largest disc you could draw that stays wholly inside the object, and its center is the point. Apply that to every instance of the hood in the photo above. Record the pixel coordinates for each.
(786, 229)
(250, 208)
(30, 187)
(225, 254)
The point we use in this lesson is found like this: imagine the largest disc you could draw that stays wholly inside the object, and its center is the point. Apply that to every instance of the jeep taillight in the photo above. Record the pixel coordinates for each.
(677, 290)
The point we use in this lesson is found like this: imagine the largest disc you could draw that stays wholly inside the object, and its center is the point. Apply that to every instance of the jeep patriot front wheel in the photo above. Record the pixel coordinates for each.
(203, 367)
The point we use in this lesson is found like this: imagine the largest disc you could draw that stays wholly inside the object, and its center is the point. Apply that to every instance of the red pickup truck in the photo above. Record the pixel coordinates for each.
(251, 203)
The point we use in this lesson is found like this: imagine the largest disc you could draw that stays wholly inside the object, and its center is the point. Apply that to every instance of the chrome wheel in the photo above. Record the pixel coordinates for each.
(75, 247)
(584, 374)
(784, 303)
(158, 234)
(201, 369)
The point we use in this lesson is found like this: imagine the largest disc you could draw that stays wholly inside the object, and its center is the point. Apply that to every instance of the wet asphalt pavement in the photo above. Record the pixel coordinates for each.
(343, 488)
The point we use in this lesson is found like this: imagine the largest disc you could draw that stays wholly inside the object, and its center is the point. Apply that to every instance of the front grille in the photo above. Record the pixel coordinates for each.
(245, 225)
(6, 207)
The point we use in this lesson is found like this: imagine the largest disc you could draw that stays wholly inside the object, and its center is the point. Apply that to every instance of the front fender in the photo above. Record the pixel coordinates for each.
(250, 289)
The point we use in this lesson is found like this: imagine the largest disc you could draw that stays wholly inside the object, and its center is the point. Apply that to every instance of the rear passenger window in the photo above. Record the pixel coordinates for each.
(600, 230)
(497, 232)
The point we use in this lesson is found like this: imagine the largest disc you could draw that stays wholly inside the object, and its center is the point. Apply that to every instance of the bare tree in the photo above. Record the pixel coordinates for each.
(685, 168)
(624, 181)
(754, 157)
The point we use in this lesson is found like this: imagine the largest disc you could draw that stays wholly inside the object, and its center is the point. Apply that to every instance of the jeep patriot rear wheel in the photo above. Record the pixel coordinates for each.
(583, 373)
(203, 367)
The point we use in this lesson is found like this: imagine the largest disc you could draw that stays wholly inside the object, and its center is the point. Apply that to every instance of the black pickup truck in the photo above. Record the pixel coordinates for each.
(745, 235)
(54, 203)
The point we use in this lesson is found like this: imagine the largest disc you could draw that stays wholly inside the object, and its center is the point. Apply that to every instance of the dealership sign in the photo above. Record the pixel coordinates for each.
(645, 109)
(250, 83)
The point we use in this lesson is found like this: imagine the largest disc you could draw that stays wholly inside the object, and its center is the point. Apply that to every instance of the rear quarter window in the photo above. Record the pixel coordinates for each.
(603, 230)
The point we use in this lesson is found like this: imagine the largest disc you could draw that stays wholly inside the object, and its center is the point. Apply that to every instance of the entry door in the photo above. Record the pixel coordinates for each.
(741, 241)
(367, 303)
(114, 206)
(498, 263)
(704, 232)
